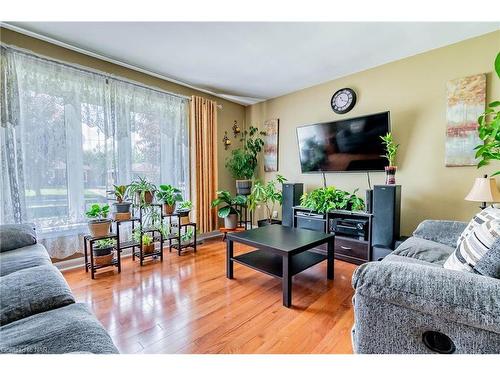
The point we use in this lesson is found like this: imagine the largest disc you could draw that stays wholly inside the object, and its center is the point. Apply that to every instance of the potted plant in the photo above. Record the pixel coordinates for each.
(329, 198)
(229, 211)
(183, 210)
(489, 130)
(143, 190)
(103, 251)
(121, 204)
(391, 149)
(148, 245)
(243, 161)
(266, 195)
(99, 224)
(187, 236)
(168, 195)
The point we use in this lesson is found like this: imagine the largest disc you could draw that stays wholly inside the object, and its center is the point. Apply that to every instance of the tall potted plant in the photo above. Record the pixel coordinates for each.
(168, 195)
(229, 212)
(142, 190)
(489, 130)
(243, 161)
(267, 195)
(99, 224)
(391, 150)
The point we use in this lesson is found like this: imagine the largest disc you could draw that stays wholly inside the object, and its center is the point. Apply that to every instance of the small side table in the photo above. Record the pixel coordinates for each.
(88, 244)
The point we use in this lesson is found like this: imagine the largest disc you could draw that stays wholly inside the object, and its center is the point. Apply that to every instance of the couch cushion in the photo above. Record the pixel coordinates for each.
(477, 242)
(25, 257)
(406, 259)
(445, 232)
(425, 250)
(14, 236)
(65, 330)
(32, 291)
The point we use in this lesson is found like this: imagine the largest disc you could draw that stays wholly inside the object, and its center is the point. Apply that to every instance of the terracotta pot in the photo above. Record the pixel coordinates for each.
(243, 187)
(390, 175)
(123, 216)
(99, 228)
(148, 197)
(148, 249)
(168, 209)
(231, 221)
(103, 260)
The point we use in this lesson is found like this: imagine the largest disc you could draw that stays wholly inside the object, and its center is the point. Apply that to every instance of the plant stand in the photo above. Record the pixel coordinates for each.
(88, 245)
(246, 217)
(137, 248)
(175, 240)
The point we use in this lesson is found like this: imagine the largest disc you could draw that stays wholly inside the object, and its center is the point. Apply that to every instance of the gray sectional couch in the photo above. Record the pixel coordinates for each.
(409, 303)
(38, 313)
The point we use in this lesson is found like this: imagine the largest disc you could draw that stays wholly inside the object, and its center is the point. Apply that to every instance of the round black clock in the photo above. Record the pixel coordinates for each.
(343, 100)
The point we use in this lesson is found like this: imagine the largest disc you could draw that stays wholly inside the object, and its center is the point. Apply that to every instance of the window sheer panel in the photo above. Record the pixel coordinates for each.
(68, 135)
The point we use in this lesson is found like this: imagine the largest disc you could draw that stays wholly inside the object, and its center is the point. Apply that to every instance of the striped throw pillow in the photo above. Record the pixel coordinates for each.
(475, 241)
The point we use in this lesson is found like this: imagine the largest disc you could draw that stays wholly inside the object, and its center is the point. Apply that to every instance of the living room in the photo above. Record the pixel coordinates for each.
(288, 195)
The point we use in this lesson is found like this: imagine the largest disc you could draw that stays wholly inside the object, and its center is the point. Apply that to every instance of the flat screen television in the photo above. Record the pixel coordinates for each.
(351, 145)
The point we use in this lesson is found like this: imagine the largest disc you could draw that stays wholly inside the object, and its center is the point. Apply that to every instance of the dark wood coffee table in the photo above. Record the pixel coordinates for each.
(282, 253)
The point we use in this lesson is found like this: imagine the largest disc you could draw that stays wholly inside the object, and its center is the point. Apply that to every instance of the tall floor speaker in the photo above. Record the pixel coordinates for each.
(386, 215)
(291, 197)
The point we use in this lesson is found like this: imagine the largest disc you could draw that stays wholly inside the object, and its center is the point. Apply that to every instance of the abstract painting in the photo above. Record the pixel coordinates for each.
(466, 99)
(271, 127)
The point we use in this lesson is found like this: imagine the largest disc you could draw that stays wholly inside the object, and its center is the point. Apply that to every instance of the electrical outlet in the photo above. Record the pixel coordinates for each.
(275, 214)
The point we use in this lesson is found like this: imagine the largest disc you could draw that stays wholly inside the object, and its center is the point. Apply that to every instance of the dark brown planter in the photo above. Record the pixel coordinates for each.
(148, 197)
(148, 249)
(266, 222)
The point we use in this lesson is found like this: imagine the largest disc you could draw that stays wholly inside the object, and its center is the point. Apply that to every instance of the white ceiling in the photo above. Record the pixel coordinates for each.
(251, 62)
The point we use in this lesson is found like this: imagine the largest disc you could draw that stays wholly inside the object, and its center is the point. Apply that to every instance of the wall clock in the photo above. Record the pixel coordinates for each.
(343, 100)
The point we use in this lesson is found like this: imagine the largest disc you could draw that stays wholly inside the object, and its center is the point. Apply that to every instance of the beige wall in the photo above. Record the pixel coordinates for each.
(414, 90)
(226, 115)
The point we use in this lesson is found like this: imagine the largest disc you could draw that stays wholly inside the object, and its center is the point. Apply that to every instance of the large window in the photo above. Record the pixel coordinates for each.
(67, 135)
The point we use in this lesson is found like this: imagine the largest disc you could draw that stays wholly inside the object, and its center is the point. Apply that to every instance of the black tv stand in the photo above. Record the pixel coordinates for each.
(353, 248)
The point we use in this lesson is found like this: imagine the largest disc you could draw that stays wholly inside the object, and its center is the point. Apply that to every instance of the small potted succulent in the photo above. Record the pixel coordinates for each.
(391, 150)
(99, 224)
(142, 190)
(148, 245)
(168, 195)
(103, 251)
(183, 209)
(229, 212)
(121, 204)
(266, 195)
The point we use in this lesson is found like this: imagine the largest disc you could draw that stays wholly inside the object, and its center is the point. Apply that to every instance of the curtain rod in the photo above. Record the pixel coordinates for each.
(90, 70)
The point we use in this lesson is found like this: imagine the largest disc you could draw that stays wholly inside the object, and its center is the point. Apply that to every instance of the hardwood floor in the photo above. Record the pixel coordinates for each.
(186, 305)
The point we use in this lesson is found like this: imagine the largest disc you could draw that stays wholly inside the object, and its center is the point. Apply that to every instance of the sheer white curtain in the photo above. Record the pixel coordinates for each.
(67, 135)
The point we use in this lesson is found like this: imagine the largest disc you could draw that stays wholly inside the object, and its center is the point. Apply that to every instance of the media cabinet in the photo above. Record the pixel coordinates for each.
(355, 248)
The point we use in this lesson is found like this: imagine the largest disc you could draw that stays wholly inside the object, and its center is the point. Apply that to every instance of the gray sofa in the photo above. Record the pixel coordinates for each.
(408, 303)
(38, 313)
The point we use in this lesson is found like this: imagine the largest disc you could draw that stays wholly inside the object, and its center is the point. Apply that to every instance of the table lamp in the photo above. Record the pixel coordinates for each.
(484, 190)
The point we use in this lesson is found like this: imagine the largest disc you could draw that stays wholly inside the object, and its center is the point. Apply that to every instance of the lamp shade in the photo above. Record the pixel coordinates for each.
(484, 190)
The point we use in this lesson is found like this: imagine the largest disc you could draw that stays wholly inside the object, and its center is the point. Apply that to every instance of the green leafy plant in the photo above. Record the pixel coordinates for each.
(243, 161)
(326, 199)
(230, 203)
(105, 243)
(185, 206)
(147, 238)
(391, 148)
(120, 192)
(187, 235)
(489, 130)
(169, 194)
(140, 187)
(97, 211)
(266, 194)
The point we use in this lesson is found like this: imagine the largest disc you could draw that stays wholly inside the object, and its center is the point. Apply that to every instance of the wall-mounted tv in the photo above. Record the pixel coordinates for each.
(351, 145)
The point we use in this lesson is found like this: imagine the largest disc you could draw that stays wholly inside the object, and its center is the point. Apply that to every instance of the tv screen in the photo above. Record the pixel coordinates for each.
(344, 146)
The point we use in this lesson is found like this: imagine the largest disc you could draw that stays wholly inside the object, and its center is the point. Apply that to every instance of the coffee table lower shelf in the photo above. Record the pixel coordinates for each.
(272, 264)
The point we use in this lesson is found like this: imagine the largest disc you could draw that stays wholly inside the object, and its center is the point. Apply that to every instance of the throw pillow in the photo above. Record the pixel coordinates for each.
(14, 236)
(476, 241)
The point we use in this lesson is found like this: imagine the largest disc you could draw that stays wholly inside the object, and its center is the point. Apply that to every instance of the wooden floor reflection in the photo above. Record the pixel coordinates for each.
(186, 305)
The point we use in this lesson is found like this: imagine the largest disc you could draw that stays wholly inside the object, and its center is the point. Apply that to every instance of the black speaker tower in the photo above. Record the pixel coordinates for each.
(386, 211)
(291, 197)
